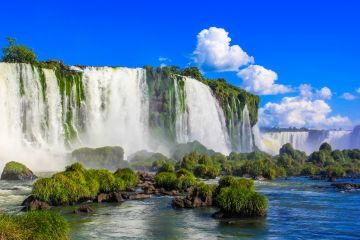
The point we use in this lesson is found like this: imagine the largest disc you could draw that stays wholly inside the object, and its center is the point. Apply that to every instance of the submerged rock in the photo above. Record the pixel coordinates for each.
(17, 171)
(84, 209)
(138, 196)
(346, 186)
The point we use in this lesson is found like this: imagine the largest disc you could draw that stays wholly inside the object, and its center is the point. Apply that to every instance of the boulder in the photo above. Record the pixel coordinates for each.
(192, 200)
(17, 171)
(138, 196)
(84, 209)
(31, 203)
(109, 197)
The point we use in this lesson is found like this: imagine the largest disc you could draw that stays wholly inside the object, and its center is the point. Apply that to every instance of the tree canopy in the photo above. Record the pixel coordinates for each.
(15, 53)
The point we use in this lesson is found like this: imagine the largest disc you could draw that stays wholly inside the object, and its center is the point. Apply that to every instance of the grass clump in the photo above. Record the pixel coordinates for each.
(128, 176)
(39, 225)
(240, 201)
(76, 184)
(228, 181)
(166, 180)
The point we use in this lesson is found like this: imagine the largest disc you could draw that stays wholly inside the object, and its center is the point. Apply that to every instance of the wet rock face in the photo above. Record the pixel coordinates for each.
(192, 200)
(17, 171)
(31, 203)
(109, 197)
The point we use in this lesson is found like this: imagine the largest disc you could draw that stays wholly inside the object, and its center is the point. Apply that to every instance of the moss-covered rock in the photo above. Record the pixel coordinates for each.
(75, 185)
(103, 157)
(17, 171)
(143, 160)
(39, 225)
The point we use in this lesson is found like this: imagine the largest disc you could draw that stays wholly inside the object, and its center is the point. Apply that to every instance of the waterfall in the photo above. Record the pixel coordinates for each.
(273, 141)
(45, 113)
(205, 118)
(306, 140)
(181, 123)
(117, 108)
(246, 138)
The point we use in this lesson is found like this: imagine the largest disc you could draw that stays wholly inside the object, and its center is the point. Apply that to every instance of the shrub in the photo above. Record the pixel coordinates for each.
(205, 171)
(185, 181)
(128, 176)
(18, 53)
(76, 184)
(166, 167)
(228, 181)
(206, 190)
(240, 201)
(39, 225)
(166, 180)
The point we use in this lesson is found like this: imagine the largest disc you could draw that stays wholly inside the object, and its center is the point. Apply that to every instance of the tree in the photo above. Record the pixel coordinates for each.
(326, 147)
(193, 72)
(18, 53)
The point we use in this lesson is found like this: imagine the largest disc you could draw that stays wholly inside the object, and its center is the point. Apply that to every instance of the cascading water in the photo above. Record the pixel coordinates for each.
(117, 108)
(307, 141)
(45, 113)
(206, 121)
(246, 138)
(273, 141)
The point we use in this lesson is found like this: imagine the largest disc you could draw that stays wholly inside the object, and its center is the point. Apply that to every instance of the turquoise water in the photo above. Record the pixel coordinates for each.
(298, 209)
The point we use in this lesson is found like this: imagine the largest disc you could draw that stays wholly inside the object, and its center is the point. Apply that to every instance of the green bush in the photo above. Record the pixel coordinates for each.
(166, 167)
(185, 181)
(39, 225)
(18, 53)
(76, 184)
(205, 171)
(242, 202)
(228, 181)
(128, 176)
(206, 190)
(166, 180)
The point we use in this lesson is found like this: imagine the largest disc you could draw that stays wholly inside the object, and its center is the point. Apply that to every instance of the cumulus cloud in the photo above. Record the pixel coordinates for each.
(164, 61)
(213, 51)
(301, 112)
(324, 93)
(260, 80)
(358, 90)
(348, 96)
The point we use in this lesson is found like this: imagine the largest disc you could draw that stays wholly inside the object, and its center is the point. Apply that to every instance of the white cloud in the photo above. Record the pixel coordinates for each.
(306, 90)
(260, 80)
(324, 93)
(348, 96)
(358, 90)
(301, 111)
(213, 51)
(164, 61)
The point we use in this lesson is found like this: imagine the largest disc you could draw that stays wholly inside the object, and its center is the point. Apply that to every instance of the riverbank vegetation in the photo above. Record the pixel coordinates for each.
(204, 163)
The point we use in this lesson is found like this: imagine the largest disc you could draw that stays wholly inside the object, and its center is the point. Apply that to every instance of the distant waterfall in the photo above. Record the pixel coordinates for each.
(307, 141)
(273, 141)
(206, 121)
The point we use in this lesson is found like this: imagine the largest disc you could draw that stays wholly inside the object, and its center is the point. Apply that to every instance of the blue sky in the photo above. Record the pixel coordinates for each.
(302, 42)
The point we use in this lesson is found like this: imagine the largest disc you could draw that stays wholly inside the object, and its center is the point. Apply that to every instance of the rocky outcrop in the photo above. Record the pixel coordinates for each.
(109, 197)
(31, 203)
(17, 171)
(346, 186)
(192, 200)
